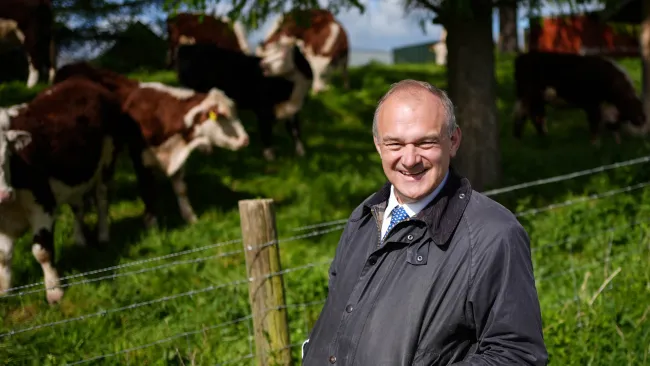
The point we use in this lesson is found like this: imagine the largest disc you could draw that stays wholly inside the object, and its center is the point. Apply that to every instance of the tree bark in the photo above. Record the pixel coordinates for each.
(644, 41)
(472, 88)
(508, 28)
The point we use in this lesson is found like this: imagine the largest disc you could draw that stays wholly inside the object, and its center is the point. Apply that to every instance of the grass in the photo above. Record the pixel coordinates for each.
(574, 250)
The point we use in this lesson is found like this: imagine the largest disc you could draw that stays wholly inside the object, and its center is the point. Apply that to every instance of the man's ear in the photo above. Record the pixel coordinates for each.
(377, 146)
(455, 138)
(18, 138)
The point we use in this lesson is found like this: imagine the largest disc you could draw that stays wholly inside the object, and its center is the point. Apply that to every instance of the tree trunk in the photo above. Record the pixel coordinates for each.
(644, 41)
(508, 28)
(472, 88)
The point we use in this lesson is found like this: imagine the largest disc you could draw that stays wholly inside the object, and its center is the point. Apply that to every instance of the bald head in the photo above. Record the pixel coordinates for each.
(421, 92)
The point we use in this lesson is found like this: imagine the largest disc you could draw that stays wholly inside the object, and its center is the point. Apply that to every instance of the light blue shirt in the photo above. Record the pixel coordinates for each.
(412, 208)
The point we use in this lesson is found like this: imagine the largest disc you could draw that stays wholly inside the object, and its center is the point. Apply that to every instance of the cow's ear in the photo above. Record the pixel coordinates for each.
(18, 138)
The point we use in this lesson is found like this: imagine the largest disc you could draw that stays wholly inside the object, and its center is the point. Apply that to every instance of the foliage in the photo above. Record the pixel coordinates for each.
(340, 169)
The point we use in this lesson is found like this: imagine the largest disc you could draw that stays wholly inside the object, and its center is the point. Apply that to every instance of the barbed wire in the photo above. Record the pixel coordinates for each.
(189, 333)
(164, 340)
(591, 197)
(154, 259)
(515, 187)
(563, 177)
(130, 264)
(159, 300)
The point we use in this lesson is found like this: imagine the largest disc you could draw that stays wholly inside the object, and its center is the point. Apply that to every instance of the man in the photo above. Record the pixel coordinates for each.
(427, 271)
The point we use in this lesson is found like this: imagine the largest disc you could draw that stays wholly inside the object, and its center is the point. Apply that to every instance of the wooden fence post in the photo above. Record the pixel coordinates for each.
(266, 294)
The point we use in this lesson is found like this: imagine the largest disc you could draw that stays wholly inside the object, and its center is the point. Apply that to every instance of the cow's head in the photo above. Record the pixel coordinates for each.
(10, 142)
(279, 58)
(216, 119)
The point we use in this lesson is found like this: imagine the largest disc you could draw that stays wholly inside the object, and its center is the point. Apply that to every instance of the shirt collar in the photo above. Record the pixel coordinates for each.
(413, 208)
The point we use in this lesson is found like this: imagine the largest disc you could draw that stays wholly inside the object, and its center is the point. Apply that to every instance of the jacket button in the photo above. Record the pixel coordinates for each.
(349, 308)
(419, 258)
(410, 237)
(461, 196)
(332, 359)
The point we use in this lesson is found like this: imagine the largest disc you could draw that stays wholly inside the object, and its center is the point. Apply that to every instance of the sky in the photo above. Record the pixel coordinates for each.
(383, 26)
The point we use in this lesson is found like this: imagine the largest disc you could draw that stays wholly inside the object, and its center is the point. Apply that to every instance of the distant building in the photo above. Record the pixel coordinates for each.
(360, 57)
(415, 54)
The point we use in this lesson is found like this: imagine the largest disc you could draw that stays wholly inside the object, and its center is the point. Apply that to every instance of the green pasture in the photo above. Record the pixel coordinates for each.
(576, 247)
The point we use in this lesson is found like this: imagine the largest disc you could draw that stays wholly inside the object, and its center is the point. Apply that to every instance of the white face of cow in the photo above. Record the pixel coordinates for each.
(217, 121)
(277, 59)
(10, 141)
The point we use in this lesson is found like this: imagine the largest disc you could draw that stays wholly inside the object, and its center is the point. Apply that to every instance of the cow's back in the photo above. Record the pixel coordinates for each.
(208, 30)
(68, 123)
(204, 66)
(575, 78)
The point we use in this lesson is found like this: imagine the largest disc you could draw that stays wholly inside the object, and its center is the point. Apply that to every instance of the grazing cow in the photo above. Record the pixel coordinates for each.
(174, 122)
(595, 84)
(29, 23)
(187, 28)
(62, 148)
(321, 38)
(273, 88)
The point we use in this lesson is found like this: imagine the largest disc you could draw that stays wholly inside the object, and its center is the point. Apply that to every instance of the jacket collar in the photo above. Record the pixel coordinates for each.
(442, 214)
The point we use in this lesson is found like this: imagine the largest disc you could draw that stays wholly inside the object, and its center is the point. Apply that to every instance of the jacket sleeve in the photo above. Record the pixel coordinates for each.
(503, 302)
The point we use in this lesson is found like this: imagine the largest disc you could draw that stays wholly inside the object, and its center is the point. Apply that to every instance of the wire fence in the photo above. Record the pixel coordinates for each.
(576, 263)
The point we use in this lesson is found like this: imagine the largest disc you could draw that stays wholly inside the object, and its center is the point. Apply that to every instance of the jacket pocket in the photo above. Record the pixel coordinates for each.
(425, 357)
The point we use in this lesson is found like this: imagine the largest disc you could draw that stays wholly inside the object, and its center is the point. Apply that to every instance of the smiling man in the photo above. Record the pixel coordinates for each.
(427, 271)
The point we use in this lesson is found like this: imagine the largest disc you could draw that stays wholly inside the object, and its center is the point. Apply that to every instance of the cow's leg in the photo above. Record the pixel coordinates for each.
(6, 253)
(265, 123)
(42, 224)
(293, 127)
(80, 228)
(180, 188)
(146, 185)
(32, 79)
(520, 116)
(101, 199)
(594, 119)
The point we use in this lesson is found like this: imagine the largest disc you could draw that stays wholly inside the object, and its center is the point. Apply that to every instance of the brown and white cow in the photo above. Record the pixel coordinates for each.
(321, 38)
(189, 28)
(29, 23)
(60, 147)
(174, 122)
(597, 85)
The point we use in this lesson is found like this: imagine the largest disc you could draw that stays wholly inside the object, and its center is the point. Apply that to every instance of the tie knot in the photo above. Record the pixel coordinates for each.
(399, 214)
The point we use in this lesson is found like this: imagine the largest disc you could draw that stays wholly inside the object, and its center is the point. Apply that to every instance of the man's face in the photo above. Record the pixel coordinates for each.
(413, 143)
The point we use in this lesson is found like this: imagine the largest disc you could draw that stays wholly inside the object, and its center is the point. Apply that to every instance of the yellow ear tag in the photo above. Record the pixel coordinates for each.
(212, 115)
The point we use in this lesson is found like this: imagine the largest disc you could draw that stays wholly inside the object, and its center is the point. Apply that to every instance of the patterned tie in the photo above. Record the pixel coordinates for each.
(398, 215)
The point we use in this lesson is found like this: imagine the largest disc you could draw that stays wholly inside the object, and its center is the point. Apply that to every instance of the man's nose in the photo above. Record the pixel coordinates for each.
(410, 157)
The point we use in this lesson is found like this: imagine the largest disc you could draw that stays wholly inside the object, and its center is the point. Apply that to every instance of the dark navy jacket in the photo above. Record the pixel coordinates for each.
(452, 286)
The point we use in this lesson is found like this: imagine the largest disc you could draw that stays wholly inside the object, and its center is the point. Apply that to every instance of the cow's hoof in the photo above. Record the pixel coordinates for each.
(269, 155)
(54, 295)
(190, 217)
(300, 149)
(150, 221)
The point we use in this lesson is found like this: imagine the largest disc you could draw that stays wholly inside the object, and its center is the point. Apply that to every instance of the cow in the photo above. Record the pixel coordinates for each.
(60, 148)
(29, 23)
(174, 122)
(189, 28)
(594, 84)
(320, 36)
(273, 88)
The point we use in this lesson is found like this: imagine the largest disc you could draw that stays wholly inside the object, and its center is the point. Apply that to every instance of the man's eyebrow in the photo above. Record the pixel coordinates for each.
(432, 137)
